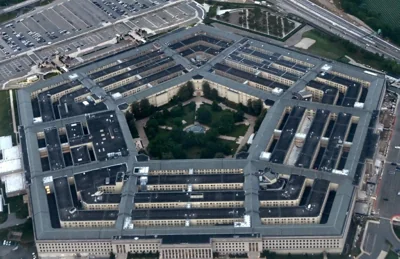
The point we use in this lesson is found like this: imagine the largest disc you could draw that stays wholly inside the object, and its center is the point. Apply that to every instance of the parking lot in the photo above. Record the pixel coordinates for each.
(85, 41)
(65, 27)
(62, 20)
(163, 18)
(14, 68)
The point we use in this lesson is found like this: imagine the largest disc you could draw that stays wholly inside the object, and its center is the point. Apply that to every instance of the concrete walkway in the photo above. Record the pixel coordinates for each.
(142, 134)
(12, 220)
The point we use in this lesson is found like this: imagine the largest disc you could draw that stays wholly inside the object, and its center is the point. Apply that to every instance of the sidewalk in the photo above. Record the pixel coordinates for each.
(12, 220)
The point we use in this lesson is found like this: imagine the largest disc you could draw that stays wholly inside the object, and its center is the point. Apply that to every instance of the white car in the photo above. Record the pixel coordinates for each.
(397, 147)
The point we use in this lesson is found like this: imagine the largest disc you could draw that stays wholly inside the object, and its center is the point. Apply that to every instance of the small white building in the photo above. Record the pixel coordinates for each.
(11, 168)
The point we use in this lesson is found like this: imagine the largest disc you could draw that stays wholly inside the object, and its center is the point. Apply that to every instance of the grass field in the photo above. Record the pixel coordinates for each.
(5, 114)
(336, 50)
(188, 116)
(389, 10)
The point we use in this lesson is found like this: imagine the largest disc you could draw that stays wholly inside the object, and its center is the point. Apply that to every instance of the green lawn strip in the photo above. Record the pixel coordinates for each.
(5, 114)
(391, 255)
(336, 50)
(324, 47)
(238, 130)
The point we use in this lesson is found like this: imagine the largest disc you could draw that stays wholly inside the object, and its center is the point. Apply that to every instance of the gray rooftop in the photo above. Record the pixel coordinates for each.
(115, 154)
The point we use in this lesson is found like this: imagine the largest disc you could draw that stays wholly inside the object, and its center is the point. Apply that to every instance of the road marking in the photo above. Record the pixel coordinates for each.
(75, 15)
(64, 19)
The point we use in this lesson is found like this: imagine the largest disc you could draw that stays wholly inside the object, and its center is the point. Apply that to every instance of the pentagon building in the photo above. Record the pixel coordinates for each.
(294, 190)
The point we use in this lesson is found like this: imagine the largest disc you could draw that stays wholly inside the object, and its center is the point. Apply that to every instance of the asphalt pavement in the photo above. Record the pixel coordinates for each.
(325, 19)
(379, 236)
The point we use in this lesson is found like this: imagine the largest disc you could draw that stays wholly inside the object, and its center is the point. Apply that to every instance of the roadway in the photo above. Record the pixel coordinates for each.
(378, 235)
(337, 25)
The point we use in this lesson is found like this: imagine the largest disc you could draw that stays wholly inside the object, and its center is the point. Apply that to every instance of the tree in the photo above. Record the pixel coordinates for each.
(259, 120)
(238, 116)
(203, 115)
(206, 89)
(211, 135)
(166, 113)
(255, 106)
(177, 111)
(215, 107)
(225, 124)
(177, 134)
(186, 92)
(112, 255)
(145, 108)
(219, 155)
(135, 108)
(214, 94)
(192, 106)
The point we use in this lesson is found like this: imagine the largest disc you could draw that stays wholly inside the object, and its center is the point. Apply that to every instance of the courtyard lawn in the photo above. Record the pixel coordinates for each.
(239, 130)
(232, 144)
(188, 116)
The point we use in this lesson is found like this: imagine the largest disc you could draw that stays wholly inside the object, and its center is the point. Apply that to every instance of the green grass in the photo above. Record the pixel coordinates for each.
(5, 114)
(337, 50)
(391, 255)
(50, 75)
(239, 130)
(232, 144)
(193, 152)
(188, 116)
(324, 47)
(215, 115)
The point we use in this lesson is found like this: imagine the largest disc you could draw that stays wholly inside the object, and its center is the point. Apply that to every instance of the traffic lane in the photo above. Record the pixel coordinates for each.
(388, 198)
(310, 12)
(383, 232)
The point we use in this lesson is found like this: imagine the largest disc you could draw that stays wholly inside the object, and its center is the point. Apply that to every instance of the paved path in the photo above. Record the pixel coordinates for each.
(12, 220)
(142, 134)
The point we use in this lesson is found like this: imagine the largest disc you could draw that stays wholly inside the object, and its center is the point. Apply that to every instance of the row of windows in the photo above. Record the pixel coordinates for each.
(44, 89)
(282, 221)
(196, 171)
(222, 204)
(86, 224)
(364, 83)
(170, 187)
(297, 61)
(281, 203)
(138, 54)
(192, 222)
(340, 87)
(223, 90)
(262, 73)
(134, 77)
(219, 246)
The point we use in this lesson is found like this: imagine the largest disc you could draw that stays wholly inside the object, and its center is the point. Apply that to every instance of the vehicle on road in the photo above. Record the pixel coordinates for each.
(397, 147)
(393, 163)
(392, 172)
